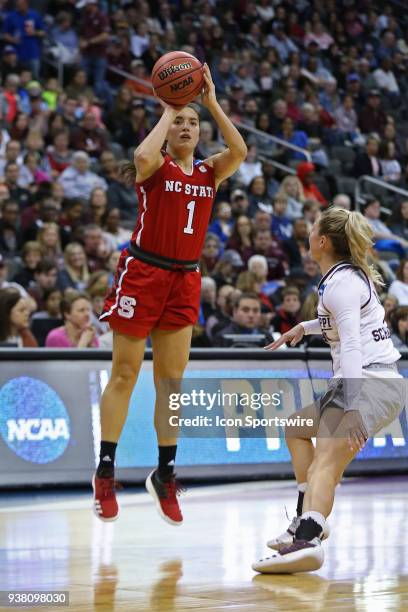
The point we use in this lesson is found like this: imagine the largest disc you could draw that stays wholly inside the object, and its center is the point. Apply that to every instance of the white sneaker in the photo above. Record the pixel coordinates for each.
(300, 556)
(286, 538)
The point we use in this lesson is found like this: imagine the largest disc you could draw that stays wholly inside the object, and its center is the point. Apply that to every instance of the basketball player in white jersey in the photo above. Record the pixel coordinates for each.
(365, 394)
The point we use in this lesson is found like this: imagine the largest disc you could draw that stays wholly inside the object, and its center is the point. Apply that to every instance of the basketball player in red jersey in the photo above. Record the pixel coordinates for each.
(157, 286)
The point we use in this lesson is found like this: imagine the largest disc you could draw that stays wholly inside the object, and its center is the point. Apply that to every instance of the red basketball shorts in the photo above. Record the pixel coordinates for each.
(144, 297)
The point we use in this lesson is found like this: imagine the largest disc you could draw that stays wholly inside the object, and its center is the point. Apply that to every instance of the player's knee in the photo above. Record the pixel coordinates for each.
(124, 377)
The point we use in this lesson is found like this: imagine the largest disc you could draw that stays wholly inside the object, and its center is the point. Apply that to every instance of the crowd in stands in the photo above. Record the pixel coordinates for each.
(329, 78)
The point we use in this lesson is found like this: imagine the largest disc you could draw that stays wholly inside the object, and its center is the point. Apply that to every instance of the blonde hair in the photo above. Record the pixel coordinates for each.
(84, 274)
(282, 190)
(351, 236)
(41, 232)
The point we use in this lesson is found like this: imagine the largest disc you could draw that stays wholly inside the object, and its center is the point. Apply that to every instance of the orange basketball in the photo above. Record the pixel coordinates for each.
(177, 78)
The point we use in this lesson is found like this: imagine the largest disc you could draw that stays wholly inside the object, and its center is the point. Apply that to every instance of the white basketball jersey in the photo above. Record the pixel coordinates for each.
(349, 307)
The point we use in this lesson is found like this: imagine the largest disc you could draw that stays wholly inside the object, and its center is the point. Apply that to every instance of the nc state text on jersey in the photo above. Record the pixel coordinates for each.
(202, 191)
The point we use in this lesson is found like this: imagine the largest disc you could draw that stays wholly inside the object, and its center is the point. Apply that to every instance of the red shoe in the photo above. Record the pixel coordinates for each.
(165, 495)
(105, 505)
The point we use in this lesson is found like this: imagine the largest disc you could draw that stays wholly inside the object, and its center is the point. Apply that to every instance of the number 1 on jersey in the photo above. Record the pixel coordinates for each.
(190, 207)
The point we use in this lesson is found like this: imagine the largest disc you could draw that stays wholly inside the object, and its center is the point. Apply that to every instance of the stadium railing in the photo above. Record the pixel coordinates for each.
(379, 186)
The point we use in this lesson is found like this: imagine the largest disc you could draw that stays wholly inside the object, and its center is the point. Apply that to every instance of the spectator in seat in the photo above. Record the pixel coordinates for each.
(342, 200)
(282, 227)
(59, 155)
(222, 315)
(207, 146)
(11, 178)
(222, 224)
(89, 137)
(242, 235)
(295, 137)
(10, 103)
(14, 319)
(97, 289)
(389, 303)
(372, 118)
(239, 203)
(258, 197)
(138, 70)
(399, 288)
(94, 33)
(52, 300)
(305, 172)
(120, 108)
(49, 239)
(75, 274)
(210, 254)
(368, 161)
(297, 246)
(227, 268)
(78, 180)
(384, 238)
(9, 63)
(114, 233)
(79, 89)
(136, 128)
(121, 193)
(246, 319)
(265, 244)
(10, 231)
(24, 28)
(288, 315)
(77, 331)
(399, 225)
(98, 205)
(64, 36)
(251, 167)
(31, 255)
(390, 166)
(399, 321)
(248, 282)
(45, 276)
(292, 188)
(208, 297)
(43, 321)
(95, 247)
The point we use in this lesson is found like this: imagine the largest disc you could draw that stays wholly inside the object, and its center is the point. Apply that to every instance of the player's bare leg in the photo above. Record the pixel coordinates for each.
(128, 353)
(299, 443)
(171, 350)
(332, 455)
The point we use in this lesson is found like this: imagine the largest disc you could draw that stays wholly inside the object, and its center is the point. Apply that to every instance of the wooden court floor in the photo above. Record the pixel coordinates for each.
(140, 563)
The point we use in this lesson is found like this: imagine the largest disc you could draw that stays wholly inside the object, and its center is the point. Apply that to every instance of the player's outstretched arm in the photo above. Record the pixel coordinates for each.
(147, 156)
(294, 336)
(227, 162)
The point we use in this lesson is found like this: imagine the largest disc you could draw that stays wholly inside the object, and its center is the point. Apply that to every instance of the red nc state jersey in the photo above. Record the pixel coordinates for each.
(174, 210)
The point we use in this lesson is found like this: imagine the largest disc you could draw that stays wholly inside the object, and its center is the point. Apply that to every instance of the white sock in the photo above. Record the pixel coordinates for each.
(302, 487)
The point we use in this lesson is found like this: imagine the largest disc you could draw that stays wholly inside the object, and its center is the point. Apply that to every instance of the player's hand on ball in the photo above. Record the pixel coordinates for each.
(164, 105)
(208, 97)
(294, 336)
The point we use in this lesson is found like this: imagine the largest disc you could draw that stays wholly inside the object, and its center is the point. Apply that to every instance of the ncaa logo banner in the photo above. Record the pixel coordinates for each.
(34, 421)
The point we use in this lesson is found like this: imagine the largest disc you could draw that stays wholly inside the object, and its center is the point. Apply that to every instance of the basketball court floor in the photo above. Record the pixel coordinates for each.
(52, 541)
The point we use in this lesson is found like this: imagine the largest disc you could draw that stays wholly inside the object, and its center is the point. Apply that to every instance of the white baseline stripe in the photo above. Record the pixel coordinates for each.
(107, 314)
(143, 214)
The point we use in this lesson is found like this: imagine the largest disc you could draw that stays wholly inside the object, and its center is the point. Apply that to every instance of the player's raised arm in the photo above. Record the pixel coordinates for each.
(147, 156)
(229, 160)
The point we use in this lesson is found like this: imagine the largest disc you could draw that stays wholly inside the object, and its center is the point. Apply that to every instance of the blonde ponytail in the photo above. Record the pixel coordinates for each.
(351, 236)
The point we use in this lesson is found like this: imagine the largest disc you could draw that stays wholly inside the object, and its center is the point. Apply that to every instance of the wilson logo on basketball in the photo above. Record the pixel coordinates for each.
(173, 69)
(181, 84)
